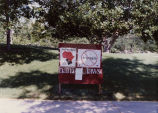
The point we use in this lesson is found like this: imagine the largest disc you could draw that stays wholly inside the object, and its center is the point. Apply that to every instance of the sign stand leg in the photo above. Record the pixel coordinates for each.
(59, 88)
(100, 89)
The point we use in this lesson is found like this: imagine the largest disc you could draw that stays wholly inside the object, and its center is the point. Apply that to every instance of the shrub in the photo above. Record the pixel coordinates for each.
(132, 44)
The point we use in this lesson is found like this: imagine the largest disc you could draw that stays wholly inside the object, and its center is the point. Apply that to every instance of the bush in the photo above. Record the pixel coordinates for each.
(132, 44)
(77, 40)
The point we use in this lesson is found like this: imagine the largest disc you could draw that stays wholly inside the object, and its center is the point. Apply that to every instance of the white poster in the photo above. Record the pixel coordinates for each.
(68, 57)
(78, 73)
(89, 58)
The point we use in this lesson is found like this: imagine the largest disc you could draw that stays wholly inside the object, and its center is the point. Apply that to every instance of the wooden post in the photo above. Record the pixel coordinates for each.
(100, 89)
(59, 88)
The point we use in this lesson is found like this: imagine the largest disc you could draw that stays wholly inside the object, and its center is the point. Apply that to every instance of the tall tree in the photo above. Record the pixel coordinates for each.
(11, 11)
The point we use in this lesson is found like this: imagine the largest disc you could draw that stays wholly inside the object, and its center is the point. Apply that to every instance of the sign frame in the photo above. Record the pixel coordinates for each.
(69, 78)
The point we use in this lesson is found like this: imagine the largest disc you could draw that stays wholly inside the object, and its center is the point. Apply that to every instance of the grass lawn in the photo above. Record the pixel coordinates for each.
(31, 72)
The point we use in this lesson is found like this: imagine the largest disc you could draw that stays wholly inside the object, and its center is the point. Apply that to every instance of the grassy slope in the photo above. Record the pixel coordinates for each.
(32, 73)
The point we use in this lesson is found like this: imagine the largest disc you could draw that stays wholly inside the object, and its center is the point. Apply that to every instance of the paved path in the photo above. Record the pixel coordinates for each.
(37, 106)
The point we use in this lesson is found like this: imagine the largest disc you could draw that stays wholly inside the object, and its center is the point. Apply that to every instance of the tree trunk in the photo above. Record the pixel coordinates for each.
(105, 44)
(7, 21)
(111, 43)
(155, 35)
(108, 44)
(8, 39)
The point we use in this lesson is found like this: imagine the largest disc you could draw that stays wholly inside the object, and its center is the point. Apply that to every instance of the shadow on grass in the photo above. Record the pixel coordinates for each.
(37, 84)
(124, 79)
(34, 84)
(24, 54)
(130, 79)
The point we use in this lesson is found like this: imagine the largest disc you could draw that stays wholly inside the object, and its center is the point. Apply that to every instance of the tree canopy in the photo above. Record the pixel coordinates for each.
(13, 10)
(86, 18)
(94, 19)
(145, 18)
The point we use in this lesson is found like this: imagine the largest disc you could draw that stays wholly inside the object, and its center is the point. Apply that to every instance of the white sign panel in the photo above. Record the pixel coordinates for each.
(68, 57)
(79, 74)
(89, 58)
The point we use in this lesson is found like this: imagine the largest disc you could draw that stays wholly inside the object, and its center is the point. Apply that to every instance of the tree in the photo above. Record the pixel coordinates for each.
(110, 21)
(11, 11)
(101, 19)
(145, 18)
(87, 18)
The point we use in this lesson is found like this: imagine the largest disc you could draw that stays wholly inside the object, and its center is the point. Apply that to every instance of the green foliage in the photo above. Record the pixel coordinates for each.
(145, 18)
(78, 40)
(90, 19)
(93, 19)
(151, 46)
(22, 30)
(133, 44)
(39, 31)
(35, 33)
(2, 33)
(12, 10)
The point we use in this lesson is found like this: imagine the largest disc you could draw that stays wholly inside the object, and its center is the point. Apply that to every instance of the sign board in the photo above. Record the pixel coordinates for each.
(80, 64)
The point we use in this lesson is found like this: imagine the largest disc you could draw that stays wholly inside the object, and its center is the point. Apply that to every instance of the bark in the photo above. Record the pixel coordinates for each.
(7, 21)
(107, 45)
(111, 43)
(8, 39)
(155, 35)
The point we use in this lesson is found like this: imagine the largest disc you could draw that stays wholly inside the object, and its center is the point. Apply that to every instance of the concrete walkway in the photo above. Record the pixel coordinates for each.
(38, 106)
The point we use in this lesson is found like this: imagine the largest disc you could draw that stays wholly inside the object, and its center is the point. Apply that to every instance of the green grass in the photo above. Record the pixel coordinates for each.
(31, 72)
(131, 76)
